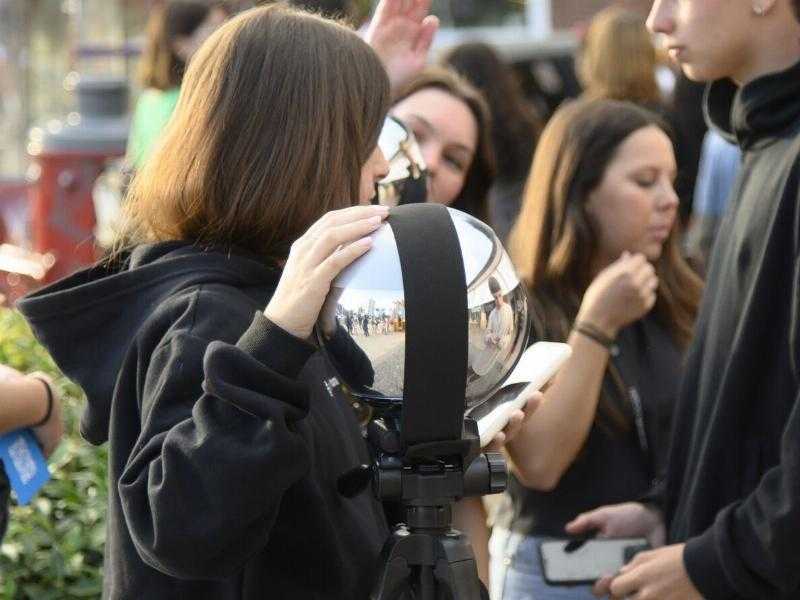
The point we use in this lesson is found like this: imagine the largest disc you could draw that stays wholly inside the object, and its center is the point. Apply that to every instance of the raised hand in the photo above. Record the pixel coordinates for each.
(401, 33)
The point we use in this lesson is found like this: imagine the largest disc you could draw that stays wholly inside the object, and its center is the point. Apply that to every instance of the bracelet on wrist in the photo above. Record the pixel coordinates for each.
(593, 333)
(50, 401)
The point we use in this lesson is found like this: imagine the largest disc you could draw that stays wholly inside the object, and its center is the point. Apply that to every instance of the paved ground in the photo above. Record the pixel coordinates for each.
(387, 352)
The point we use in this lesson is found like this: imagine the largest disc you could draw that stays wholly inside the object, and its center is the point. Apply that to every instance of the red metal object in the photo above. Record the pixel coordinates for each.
(71, 154)
(62, 209)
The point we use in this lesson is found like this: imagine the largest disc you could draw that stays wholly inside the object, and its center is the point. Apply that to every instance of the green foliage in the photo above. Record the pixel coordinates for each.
(54, 546)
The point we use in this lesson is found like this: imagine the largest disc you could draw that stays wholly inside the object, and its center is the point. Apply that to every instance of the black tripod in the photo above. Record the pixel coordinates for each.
(425, 558)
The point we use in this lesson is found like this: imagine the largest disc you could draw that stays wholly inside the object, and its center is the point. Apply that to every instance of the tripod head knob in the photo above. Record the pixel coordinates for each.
(498, 474)
(486, 474)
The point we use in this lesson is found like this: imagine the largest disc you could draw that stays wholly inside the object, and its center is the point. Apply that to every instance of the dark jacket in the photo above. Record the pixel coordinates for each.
(226, 434)
(733, 487)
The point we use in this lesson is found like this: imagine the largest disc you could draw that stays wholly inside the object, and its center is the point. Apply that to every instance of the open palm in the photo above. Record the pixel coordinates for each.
(401, 33)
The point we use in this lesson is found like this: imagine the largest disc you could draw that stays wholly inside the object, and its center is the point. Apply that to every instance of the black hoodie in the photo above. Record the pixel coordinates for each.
(733, 486)
(226, 434)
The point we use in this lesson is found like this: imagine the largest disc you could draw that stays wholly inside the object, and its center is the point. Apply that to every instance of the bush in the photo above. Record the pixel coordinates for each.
(54, 546)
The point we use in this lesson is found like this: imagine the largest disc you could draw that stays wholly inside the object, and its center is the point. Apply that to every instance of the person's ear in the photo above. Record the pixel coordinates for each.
(762, 7)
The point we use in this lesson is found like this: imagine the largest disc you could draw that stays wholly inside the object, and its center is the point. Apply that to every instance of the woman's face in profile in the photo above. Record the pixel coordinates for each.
(635, 205)
(447, 134)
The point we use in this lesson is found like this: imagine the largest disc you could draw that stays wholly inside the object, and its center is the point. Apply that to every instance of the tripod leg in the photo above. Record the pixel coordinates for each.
(459, 579)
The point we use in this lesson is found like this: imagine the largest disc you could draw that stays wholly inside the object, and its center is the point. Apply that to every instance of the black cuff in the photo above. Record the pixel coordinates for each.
(701, 558)
(274, 347)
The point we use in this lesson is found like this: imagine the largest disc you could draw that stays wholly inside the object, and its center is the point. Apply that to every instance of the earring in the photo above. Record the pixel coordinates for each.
(758, 9)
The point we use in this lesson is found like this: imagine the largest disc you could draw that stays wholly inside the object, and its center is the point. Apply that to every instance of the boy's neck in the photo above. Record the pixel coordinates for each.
(782, 53)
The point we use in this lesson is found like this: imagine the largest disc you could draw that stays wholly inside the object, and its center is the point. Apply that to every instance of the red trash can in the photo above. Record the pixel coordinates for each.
(70, 155)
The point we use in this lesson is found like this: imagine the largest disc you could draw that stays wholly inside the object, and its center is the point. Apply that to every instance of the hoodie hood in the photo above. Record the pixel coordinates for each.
(758, 112)
(87, 321)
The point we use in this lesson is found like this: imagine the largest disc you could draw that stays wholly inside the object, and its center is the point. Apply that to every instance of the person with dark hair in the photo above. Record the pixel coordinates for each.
(515, 126)
(192, 344)
(596, 244)
(193, 340)
(731, 503)
(452, 124)
(175, 31)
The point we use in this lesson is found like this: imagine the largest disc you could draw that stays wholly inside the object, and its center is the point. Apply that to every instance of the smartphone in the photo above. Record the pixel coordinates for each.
(538, 364)
(593, 560)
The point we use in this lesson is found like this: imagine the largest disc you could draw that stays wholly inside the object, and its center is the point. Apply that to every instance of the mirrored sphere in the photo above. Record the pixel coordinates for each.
(405, 182)
(364, 317)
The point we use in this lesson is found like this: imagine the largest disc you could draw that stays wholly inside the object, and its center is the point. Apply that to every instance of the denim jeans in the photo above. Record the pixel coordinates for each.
(516, 571)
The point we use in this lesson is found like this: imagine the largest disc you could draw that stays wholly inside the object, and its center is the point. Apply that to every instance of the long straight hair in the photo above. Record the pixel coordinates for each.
(554, 240)
(278, 112)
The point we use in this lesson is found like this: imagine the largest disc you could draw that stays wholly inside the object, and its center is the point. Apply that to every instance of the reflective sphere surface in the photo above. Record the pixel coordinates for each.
(364, 317)
(406, 181)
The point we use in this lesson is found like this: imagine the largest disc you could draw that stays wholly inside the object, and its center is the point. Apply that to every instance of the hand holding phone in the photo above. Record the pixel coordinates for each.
(538, 364)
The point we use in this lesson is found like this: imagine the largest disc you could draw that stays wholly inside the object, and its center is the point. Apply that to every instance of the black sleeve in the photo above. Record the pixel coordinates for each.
(751, 549)
(217, 450)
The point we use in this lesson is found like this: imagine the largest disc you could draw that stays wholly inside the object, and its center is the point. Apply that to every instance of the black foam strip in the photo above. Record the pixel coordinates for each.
(436, 323)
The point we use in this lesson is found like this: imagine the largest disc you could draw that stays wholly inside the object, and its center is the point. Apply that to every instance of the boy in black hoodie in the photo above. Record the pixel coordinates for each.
(731, 504)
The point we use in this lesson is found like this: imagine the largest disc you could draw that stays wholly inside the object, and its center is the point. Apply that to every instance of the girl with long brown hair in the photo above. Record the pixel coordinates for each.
(226, 428)
(595, 242)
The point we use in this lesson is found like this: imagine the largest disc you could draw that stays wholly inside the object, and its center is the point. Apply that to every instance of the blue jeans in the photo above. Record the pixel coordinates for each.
(516, 571)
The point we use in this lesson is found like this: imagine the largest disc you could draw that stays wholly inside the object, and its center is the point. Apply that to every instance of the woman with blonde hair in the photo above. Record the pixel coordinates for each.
(596, 244)
(618, 59)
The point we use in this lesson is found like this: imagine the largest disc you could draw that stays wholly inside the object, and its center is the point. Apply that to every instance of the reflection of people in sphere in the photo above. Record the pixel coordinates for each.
(499, 331)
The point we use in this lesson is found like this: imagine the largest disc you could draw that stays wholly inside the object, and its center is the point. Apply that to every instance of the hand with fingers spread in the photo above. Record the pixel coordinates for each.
(401, 33)
(315, 259)
(620, 294)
